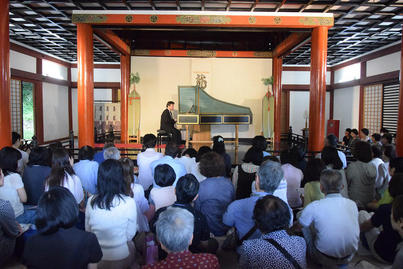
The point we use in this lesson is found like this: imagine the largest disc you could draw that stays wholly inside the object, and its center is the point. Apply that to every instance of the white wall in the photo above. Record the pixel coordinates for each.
(300, 77)
(104, 95)
(347, 108)
(55, 111)
(54, 70)
(100, 75)
(299, 107)
(236, 81)
(383, 64)
(347, 73)
(22, 62)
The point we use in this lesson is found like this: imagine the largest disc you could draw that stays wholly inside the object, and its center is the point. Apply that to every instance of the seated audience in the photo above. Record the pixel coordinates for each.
(135, 190)
(293, 176)
(382, 241)
(35, 174)
(195, 169)
(312, 173)
(171, 151)
(239, 214)
(383, 131)
(112, 215)
(13, 188)
(376, 139)
(275, 248)
(216, 192)
(164, 194)
(219, 147)
(186, 192)
(361, 175)
(364, 135)
(347, 137)
(245, 173)
(188, 159)
(331, 159)
(175, 228)
(382, 174)
(16, 140)
(99, 156)
(354, 140)
(62, 174)
(332, 141)
(87, 169)
(259, 142)
(397, 225)
(8, 228)
(386, 139)
(299, 152)
(389, 153)
(59, 244)
(330, 225)
(112, 153)
(145, 158)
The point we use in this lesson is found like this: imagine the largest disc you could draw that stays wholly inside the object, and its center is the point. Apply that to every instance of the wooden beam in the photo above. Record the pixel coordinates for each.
(37, 77)
(102, 85)
(203, 53)
(115, 41)
(289, 43)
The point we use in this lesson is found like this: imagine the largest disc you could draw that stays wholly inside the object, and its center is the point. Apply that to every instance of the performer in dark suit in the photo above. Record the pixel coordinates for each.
(168, 123)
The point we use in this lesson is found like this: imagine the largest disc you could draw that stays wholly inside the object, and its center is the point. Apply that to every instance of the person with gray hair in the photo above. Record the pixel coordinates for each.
(330, 225)
(239, 214)
(112, 153)
(175, 233)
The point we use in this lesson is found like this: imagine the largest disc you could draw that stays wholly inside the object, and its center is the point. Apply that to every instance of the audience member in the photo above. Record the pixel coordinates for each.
(383, 131)
(16, 140)
(361, 175)
(312, 173)
(112, 216)
(376, 139)
(87, 169)
(196, 168)
(245, 173)
(216, 192)
(186, 191)
(188, 159)
(219, 147)
(239, 214)
(389, 153)
(99, 156)
(382, 242)
(171, 151)
(259, 142)
(144, 160)
(293, 176)
(275, 248)
(332, 160)
(62, 174)
(330, 225)
(135, 190)
(59, 244)
(382, 174)
(397, 225)
(164, 194)
(175, 232)
(298, 151)
(8, 228)
(35, 174)
(347, 137)
(12, 189)
(364, 135)
(332, 141)
(386, 139)
(112, 153)
(354, 140)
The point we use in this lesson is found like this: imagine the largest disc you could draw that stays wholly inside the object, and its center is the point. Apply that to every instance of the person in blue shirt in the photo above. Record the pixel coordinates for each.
(87, 169)
(99, 156)
(171, 151)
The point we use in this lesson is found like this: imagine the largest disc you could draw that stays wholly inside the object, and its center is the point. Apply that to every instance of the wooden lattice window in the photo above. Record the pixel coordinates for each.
(373, 98)
(16, 106)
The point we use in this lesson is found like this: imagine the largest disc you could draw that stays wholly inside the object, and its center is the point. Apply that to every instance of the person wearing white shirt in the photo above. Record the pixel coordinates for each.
(330, 225)
(195, 168)
(62, 174)
(112, 216)
(188, 159)
(87, 169)
(16, 140)
(145, 158)
(382, 173)
(171, 151)
(164, 195)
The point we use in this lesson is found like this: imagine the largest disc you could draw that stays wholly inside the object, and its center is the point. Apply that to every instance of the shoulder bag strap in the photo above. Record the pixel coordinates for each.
(248, 234)
(284, 252)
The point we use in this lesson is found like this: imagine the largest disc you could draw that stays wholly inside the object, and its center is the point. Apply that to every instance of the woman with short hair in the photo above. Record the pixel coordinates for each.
(59, 244)
(331, 158)
(112, 215)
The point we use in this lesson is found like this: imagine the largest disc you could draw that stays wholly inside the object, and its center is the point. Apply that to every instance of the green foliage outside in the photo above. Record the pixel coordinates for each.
(28, 110)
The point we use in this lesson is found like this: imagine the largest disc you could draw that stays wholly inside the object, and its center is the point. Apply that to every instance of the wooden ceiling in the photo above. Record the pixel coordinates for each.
(360, 26)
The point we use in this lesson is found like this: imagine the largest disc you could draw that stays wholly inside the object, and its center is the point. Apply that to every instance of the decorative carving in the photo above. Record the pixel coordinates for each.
(234, 54)
(168, 53)
(277, 20)
(202, 19)
(252, 20)
(88, 18)
(154, 18)
(129, 18)
(201, 81)
(263, 54)
(316, 21)
(201, 53)
(141, 52)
